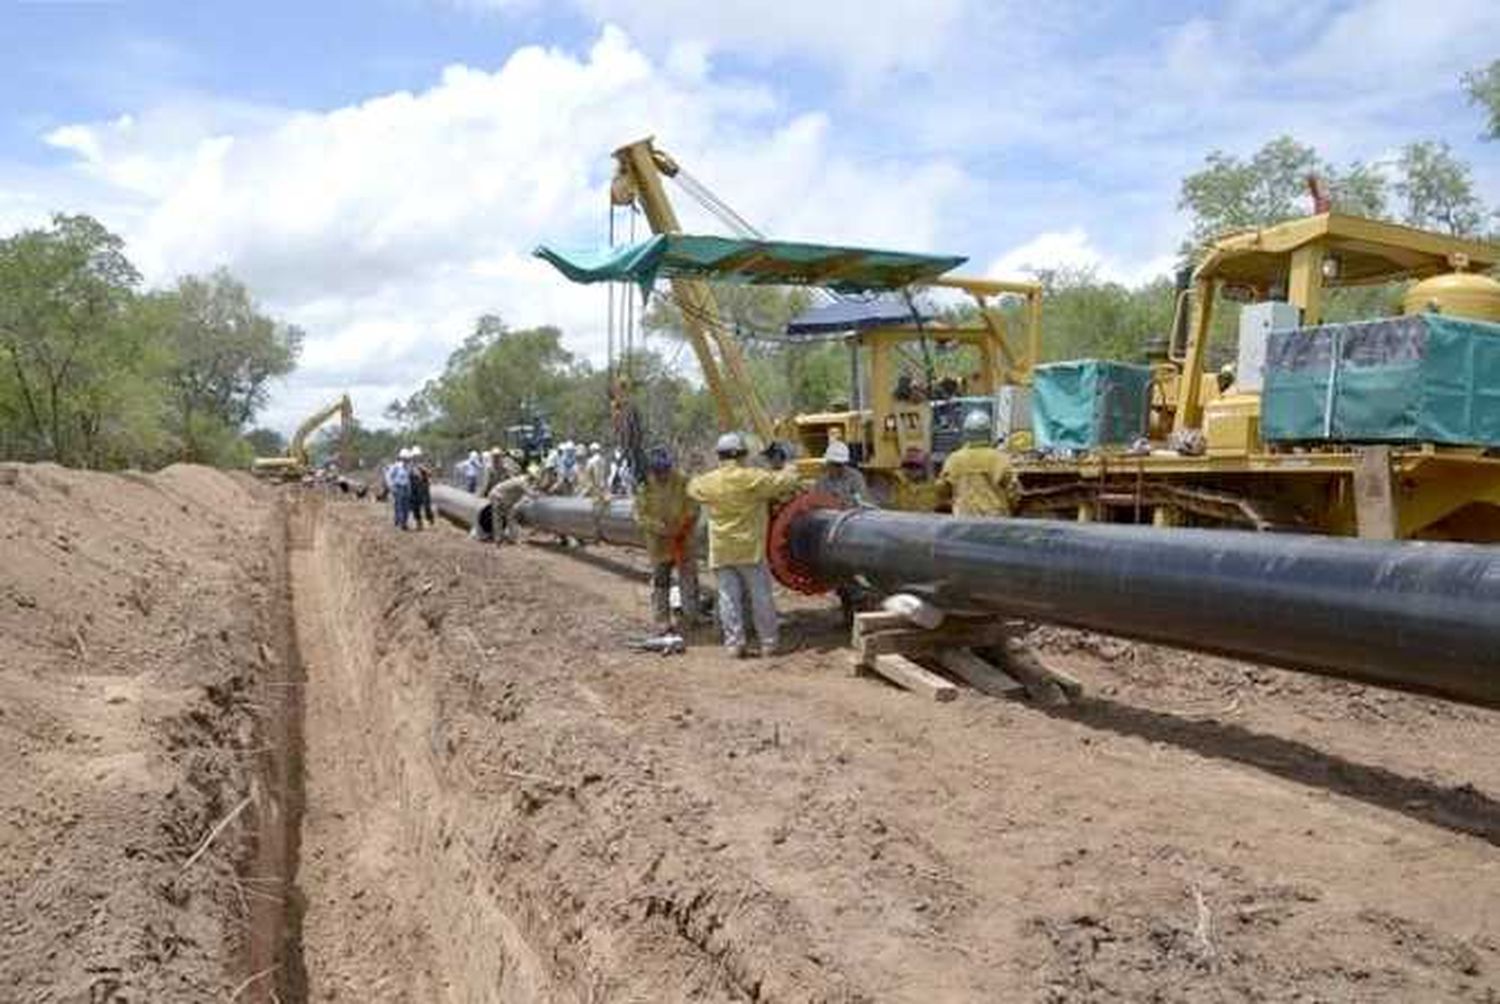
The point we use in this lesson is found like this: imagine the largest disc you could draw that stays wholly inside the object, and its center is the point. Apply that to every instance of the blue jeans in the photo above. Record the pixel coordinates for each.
(739, 586)
(401, 499)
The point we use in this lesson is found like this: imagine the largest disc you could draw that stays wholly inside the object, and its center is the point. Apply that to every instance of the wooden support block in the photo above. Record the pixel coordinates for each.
(908, 675)
(979, 674)
(953, 634)
(1043, 683)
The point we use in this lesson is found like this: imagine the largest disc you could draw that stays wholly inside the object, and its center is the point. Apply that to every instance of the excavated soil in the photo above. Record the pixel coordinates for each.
(504, 803)
(147, 772)
(507, 804)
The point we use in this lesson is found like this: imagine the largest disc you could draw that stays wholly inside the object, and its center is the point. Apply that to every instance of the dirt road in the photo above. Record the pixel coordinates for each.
(502, 803)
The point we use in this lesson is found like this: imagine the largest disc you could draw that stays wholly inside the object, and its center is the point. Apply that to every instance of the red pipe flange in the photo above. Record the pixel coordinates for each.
(788, 570)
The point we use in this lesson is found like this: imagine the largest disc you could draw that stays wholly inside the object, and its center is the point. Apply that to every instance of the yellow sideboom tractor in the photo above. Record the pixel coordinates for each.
(1381, 428)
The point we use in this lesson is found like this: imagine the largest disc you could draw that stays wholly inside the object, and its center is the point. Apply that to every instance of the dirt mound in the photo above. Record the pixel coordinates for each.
(506, 804)
(135, 611)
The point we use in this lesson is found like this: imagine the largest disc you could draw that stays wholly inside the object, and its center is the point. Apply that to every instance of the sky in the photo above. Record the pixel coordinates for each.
(378, 171)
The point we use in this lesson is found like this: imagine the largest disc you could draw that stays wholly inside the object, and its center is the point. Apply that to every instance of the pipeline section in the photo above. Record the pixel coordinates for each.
(468, 512)
(1415, 616)
(569, 515)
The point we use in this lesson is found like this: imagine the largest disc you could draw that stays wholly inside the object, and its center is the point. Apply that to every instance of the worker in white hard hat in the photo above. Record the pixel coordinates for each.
(738, 501)
(841, 479)
(978, 476)
(593, 481)
(398, 485)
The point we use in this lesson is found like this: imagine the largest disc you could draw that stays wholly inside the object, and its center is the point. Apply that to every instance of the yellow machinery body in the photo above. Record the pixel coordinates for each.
(893, 436)
(1462, 294)
(297, 463)
(1208, 465)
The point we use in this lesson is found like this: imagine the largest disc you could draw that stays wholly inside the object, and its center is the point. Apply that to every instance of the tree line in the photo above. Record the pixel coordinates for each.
(96, 371)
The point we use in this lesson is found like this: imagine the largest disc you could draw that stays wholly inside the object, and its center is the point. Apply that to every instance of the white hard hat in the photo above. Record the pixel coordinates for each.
(977, 424)
(730, 444)
(403, 454)
(416, 451)
(594, 447)
(837, 452)
(473, 455)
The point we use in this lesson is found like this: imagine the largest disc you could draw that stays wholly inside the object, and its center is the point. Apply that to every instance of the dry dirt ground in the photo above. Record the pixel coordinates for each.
(141, 645)
(503, 803)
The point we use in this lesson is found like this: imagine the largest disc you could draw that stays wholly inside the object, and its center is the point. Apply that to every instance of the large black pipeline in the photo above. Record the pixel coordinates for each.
(1421, 616)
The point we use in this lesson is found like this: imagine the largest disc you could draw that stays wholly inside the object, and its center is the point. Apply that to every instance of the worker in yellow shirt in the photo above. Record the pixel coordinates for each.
(668, 519)
(978, 475)
(738, 500)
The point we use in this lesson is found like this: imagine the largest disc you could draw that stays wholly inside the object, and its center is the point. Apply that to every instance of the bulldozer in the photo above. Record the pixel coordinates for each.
(297, 463)
(1351, 429)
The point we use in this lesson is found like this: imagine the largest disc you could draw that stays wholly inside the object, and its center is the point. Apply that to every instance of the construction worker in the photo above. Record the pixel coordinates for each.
(978, 475)
(738, 501)
(470, 470)
(504, 498)
(667, 518)
(398, 484)
(844, 482)
(841, 479)
(593, 479)
(421, 488)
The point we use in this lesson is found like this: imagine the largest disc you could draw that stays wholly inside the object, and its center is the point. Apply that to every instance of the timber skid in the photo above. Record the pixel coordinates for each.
(980, 652)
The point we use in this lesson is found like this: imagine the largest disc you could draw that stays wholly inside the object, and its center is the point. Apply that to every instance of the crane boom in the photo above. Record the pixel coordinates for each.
(639, 170)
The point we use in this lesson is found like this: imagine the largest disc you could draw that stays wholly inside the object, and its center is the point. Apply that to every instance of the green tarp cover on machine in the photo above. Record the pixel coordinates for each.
(749, 262)
(1088, 403)
(1424, 378)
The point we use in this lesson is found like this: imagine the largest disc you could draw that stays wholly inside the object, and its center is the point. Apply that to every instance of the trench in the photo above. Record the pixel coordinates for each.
(393, 902)
(276, 971)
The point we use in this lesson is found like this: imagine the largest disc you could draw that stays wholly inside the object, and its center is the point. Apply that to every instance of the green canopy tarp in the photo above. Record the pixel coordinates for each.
(749, 262)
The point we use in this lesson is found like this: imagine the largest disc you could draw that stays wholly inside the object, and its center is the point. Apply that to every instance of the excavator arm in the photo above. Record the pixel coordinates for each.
(344, 409)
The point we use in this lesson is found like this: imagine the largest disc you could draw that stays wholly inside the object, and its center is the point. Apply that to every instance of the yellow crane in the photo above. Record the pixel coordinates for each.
(297, 462)
(887, 430)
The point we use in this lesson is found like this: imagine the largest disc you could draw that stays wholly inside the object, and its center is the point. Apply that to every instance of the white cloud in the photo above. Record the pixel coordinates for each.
(383, 228)
(1073, 250)
(862, 38)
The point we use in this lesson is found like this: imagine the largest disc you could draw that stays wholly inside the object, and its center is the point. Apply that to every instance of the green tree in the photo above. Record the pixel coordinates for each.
(1483, 87)
(1437, 190)
(266, 442)
(65, 342)
(1233, 194)
(224, 353)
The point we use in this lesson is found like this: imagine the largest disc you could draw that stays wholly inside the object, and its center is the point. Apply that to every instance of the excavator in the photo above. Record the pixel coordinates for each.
(897, 433)
(297, 463)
